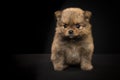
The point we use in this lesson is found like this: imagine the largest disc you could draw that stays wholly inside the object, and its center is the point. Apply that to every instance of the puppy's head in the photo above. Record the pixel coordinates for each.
(73, 22)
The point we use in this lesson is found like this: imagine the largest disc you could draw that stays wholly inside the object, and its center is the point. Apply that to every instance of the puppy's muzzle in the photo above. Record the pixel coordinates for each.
(70, 32)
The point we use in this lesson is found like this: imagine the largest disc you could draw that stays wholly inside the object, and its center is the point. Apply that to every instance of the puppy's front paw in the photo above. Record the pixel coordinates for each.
(87, 67)
(60, 67)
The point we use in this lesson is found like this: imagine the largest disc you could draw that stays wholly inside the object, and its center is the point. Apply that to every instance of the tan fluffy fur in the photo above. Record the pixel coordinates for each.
(70, 50)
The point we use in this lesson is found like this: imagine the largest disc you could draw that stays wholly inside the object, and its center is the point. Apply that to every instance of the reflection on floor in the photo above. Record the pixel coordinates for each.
(39, 67)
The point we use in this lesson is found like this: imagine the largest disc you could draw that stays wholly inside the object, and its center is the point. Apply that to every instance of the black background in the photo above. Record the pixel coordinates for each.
(30, 25)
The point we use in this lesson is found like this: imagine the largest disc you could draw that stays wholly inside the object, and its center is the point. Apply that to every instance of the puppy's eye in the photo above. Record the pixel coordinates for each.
(77, 25)
(65, 25)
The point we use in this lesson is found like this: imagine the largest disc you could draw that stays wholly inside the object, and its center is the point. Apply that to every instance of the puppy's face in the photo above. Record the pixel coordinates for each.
(73, 22)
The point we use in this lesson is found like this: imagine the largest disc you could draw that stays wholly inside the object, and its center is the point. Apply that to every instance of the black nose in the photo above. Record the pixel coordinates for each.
(70, 31)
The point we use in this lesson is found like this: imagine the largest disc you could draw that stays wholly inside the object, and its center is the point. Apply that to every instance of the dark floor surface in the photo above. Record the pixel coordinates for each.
(39, 67)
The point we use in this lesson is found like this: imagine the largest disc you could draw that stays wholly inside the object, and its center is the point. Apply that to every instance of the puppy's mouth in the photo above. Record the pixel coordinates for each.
(71, 36)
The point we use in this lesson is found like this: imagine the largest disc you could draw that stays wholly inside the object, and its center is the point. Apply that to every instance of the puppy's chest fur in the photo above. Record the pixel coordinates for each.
(72, 54)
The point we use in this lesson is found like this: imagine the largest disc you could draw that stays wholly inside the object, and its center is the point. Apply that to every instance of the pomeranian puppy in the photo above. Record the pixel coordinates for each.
(73, 41)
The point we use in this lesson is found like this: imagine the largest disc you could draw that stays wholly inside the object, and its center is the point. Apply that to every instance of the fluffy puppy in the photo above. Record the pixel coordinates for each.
(73, 41)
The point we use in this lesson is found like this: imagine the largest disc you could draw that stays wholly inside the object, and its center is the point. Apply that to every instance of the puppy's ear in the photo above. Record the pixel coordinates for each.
(88, 15)
(58, 15)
